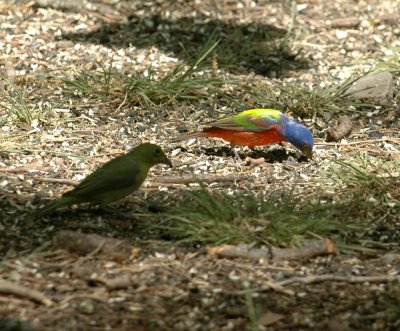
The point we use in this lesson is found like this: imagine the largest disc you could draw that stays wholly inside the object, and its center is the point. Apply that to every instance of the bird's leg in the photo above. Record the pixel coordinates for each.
(252, 162)
(113, 210)
(237, 157)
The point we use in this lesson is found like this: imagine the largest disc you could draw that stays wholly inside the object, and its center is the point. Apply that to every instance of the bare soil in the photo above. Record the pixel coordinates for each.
(164, 285)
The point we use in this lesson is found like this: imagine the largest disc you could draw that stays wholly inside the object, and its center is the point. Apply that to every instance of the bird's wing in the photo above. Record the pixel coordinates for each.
(117, 174)
(252, 120)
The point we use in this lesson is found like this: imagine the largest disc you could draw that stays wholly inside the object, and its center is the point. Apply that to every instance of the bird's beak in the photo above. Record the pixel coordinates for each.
(307, 151)
(167, 161)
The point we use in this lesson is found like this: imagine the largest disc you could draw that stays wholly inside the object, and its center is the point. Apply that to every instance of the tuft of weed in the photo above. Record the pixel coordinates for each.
(251, 308)
(390, 62)
(260, 49)
(306, 102)
(370, 190)
(215, 218)
(21, 102)
(14, 102)
(372, 186)
(182, 83)
(99, 85)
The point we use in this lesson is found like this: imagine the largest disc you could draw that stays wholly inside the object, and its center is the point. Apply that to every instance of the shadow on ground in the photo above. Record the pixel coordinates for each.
(261, 48)
(276, 155)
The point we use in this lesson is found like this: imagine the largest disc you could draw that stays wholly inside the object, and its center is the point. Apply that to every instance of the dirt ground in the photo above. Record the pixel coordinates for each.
(163, 285)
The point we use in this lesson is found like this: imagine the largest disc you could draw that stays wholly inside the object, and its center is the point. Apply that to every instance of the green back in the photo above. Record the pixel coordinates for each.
(122, 174)
(251, 120)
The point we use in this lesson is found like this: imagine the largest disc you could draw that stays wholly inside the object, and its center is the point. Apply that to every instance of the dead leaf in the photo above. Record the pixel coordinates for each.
(270, 318)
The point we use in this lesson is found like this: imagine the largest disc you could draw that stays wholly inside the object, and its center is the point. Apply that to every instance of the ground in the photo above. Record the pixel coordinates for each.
(83, 82)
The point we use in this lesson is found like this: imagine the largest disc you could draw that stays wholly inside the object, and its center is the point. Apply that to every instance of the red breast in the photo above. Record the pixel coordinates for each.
(243, 138)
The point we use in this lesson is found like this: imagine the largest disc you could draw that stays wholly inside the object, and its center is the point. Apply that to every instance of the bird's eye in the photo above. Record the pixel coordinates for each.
(158, 151)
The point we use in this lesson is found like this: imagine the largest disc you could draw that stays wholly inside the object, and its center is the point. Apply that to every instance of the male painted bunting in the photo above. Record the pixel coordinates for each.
(257, 127)
(114, 180)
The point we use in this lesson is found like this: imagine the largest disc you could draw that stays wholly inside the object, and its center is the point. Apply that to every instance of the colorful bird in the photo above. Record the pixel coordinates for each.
(257, 127)
(114, 180)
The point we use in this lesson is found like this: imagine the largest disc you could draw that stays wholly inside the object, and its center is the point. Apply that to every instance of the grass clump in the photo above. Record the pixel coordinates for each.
(261, 48)
(373, 186)
(182, 83)
(216, 218)
(370, 190)
(21, 103)
(390, 62)
(14, 102)
(305, 101)
(100, 85)
(251, 308)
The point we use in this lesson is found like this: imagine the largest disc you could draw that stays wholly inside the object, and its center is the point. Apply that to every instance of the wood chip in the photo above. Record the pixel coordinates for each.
(7, 287)
(341, 130)
(318, 247)
(84, 244)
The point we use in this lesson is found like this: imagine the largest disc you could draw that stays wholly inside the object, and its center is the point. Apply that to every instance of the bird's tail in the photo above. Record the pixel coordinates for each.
(63, 201)
(189, 136)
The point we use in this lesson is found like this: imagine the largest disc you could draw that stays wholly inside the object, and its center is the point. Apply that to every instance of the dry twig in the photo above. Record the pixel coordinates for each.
(93, 296)
(116, 283)
(335, 278)
(269, 285)
(78, 6)
(318, 247)
(359, 142)
(22, 291)
(187, 179)
(341, 130)
(28, 167)
(84, 244)
(160, 180)
(253, 162)
(280, 286)
(59, 181)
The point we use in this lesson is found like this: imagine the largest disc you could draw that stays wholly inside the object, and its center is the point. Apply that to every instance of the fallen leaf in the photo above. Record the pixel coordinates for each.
(270, 318)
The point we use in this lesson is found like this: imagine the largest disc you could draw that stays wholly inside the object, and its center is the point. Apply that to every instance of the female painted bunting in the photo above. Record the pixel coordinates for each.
(257, 127)
(114, 180)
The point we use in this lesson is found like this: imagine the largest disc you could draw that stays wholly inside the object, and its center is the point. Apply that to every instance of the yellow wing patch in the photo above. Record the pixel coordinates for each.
(263, 112)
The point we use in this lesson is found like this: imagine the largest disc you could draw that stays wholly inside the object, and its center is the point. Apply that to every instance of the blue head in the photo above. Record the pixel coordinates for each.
(299, 136)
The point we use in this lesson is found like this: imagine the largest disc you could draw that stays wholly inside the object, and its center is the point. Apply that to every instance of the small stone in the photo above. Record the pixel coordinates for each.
(3, 183)
(11, 324)
(175, 152)
(345, 23)
(86, 307)
(390, 258)
(341, 34)
(378, 86)
(66, 44)
(395, 156)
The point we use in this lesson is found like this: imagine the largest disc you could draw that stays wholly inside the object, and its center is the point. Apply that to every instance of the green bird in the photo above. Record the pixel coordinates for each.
(114, 180)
